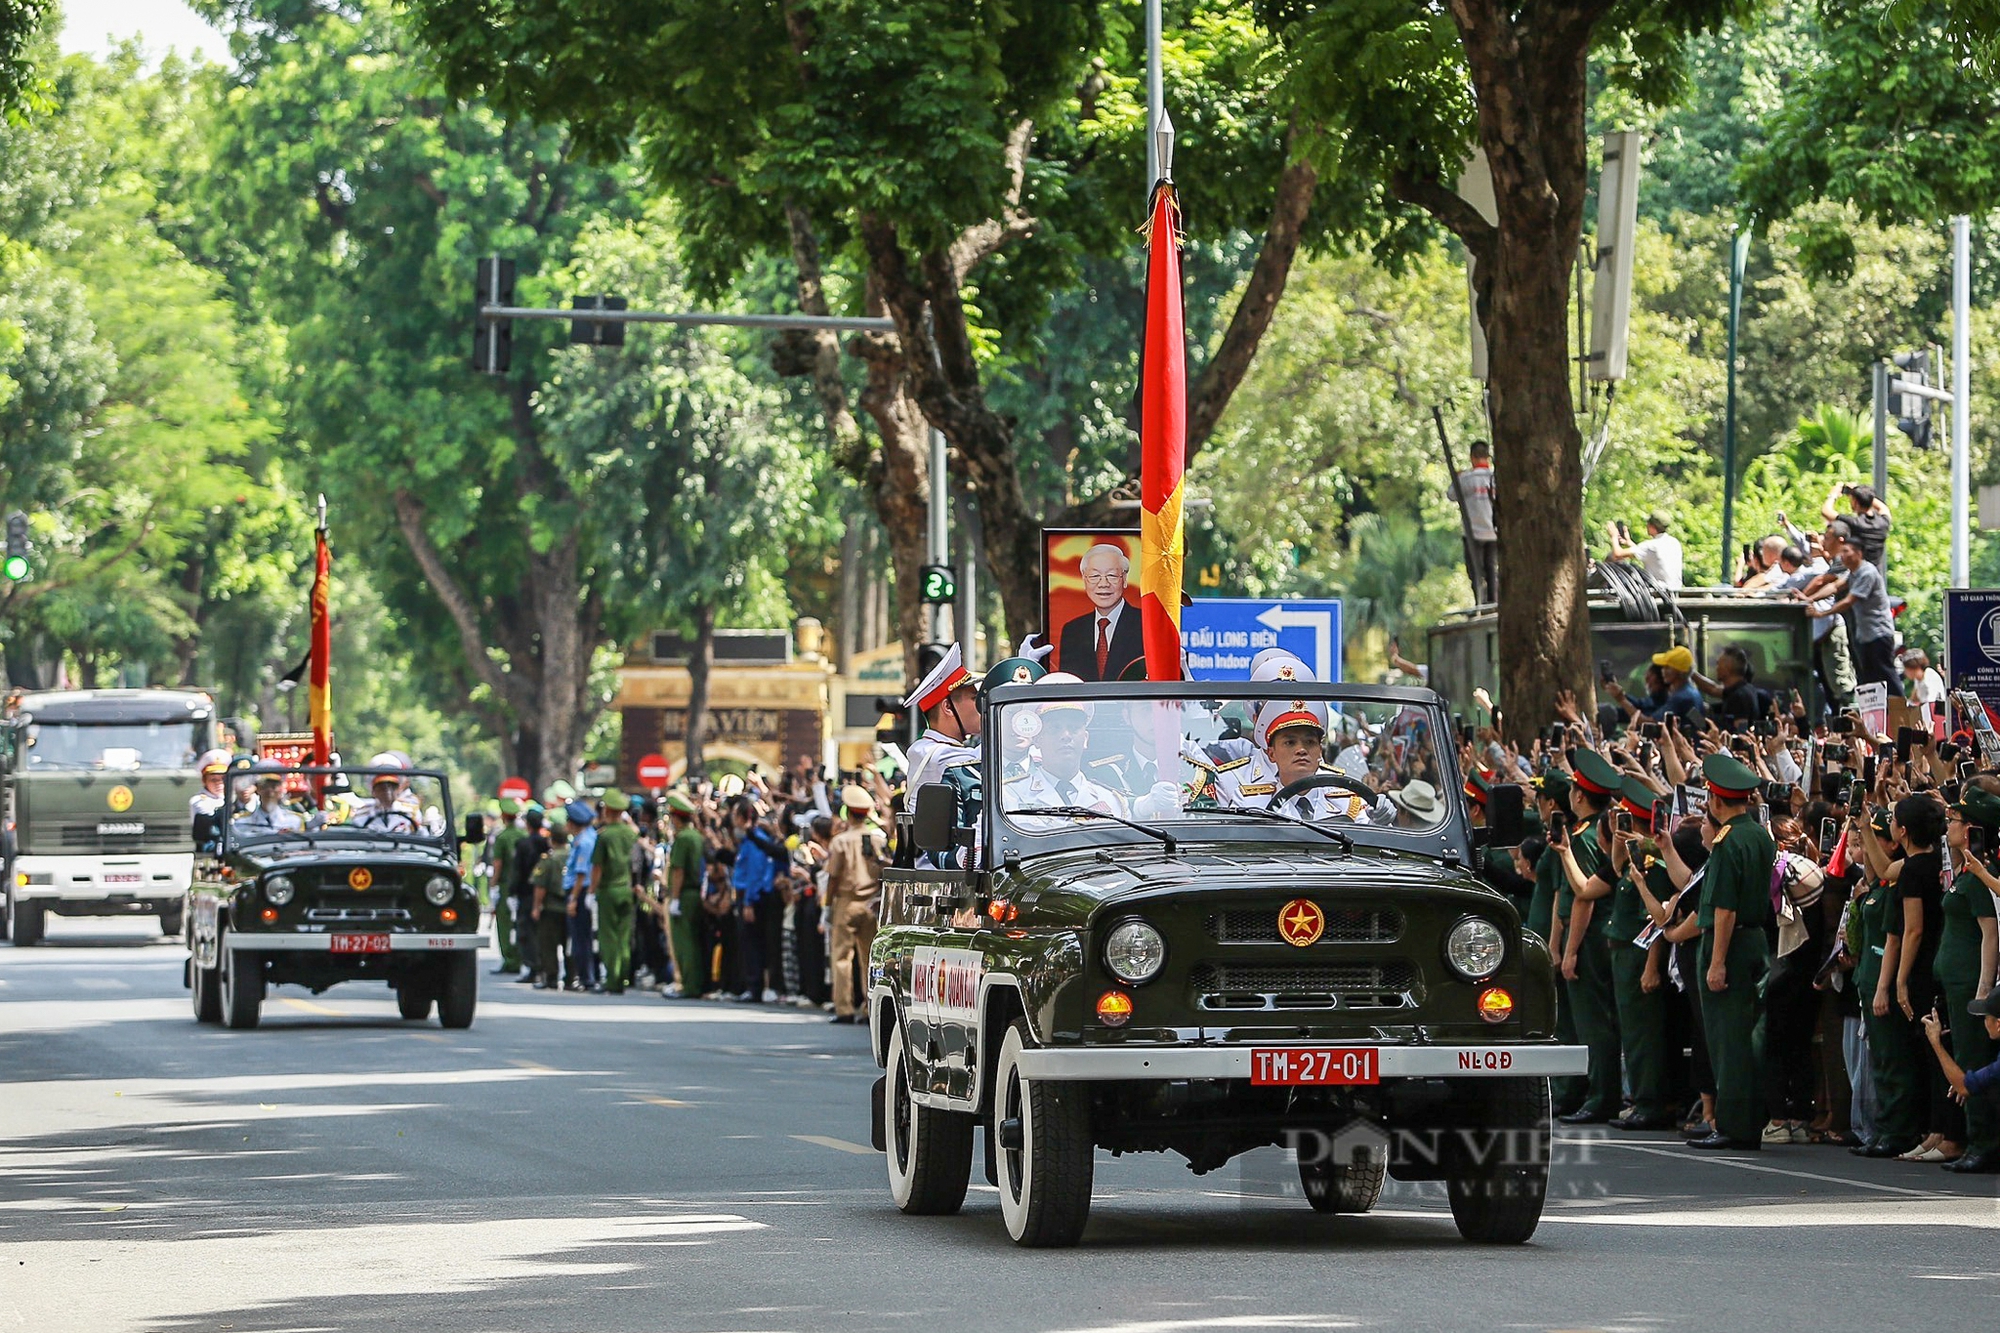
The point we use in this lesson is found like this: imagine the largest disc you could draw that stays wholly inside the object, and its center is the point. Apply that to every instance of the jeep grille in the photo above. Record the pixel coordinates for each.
(1344, 925)
(1388, 984)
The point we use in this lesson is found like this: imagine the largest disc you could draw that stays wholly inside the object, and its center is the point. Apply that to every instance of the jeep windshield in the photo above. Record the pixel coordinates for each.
(331, 807)
(1362, 762)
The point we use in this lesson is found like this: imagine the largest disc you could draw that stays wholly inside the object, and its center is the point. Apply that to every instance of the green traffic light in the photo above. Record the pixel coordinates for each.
(15, 568)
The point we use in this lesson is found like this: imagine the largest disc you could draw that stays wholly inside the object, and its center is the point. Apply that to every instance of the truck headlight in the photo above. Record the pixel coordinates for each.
(1474, 948)
(1134, 951)
(278, 890)
(439, 890)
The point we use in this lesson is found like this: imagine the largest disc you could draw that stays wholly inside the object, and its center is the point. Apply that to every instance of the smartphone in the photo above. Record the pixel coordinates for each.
(1842, 725)
(1778, 794)
(1739, 726)
(1975, 841)
(1966, 770)
(1829, 834)
(1951, 790)
(1947, 751)
(1766, 726)
(1905, 738)
(1833, 786)
(1559, 735)
(1663, 813)
(1559, 824)
(1868, 771)
(1652, 731)
(1604, 671)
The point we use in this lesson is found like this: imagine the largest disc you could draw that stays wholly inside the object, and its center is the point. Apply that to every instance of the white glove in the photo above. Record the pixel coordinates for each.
(1162, 802)
(1028, 650)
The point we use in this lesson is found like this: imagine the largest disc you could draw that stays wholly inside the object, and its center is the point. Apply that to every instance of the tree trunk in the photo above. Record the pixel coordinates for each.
(701, 664)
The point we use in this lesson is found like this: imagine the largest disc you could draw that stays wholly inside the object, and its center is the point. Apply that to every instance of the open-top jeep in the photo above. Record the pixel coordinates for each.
(1208, 955)
(314, 876)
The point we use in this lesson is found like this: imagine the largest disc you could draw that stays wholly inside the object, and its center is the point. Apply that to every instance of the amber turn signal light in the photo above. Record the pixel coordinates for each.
(1496, 1005)
(1002, 910)
(448, 915)
(269, 914)
(1114, 1008)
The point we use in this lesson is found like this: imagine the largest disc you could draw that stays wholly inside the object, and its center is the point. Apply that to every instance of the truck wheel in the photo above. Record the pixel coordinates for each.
(1499, 1172)
(242, 986)
(1045, 1151)
(930, 1151)
(1342, 1187)
(172, 919)
(413, 1001)
(460, 993)
(205, 983)
(25, 922)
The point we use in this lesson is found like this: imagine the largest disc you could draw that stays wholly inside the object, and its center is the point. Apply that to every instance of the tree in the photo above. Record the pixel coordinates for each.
(953, 161)
(21, 87)
(1405, 92)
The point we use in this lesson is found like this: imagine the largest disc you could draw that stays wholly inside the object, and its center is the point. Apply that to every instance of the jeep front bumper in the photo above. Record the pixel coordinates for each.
(398, 943)
(1069, 1064)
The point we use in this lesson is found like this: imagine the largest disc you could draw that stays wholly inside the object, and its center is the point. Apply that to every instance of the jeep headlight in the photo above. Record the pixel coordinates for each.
(439, 890)
(1474, 948)
(1134, 951)
(278, 890)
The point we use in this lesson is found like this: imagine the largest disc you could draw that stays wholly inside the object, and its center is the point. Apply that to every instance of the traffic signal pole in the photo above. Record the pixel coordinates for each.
(1961, 393)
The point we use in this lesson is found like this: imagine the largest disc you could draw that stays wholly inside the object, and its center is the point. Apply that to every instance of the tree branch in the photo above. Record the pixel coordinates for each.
(1465, 221)
(984, 239)
(513, 688)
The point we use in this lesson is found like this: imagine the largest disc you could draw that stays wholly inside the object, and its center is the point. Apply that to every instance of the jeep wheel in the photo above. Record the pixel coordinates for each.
(205, 984)
(1499, 1172)
(930, 1151)
(413, 1001)
(24, 922)
(172, 918)
(460, 993)
(1045, 1152)
(242, 985)
(1342, 1187)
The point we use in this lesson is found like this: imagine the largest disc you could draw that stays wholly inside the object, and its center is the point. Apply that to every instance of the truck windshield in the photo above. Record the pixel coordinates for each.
(110, 746)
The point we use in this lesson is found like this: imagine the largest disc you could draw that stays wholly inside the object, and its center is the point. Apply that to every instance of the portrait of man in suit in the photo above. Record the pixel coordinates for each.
(1101, 643)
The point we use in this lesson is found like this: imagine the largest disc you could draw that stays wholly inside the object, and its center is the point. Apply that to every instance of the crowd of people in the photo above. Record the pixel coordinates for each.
(1769, 931)
(747, 889)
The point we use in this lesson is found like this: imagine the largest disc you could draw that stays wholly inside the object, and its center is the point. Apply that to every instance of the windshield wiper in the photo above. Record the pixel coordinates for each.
(1346, 843)
(1167, 839)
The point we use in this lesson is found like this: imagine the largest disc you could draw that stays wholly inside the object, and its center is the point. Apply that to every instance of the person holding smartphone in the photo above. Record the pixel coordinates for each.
(1966, 962)
(1552, 803)
(1584, 913)
(1917, 918)
(1636, 968)
(1735, 910)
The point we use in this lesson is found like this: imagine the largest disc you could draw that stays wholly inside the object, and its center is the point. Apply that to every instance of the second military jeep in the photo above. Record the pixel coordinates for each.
(1209, 955)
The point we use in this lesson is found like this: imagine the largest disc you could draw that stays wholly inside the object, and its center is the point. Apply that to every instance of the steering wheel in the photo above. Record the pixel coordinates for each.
(1315, 781)
(381, 818)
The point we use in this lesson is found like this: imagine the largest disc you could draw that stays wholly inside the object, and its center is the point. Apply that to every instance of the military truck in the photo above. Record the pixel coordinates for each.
(1120, 951)
(97, 785)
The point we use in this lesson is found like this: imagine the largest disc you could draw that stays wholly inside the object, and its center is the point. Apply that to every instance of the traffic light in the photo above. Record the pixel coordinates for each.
(596, 332)
(16, 566)
(1913, 411)
(940, 585)
(493, 339)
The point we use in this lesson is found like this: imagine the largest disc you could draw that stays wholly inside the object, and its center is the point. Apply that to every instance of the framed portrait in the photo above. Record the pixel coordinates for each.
(1090, 601)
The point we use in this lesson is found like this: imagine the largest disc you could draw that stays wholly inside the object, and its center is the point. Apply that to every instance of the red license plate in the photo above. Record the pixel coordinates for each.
(361, 944)
(1320, 1066)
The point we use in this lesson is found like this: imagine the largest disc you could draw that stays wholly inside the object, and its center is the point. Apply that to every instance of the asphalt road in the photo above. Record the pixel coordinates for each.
(603, 1164)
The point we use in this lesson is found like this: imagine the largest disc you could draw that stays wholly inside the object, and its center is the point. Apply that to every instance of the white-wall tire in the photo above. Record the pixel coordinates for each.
(1045, 1181)
(930, 1151)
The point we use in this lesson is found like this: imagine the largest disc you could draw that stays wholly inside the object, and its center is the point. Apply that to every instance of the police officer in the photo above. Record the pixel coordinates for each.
(1735, 951)
(853, 898)
(1582, 909)
(576, 890)
(546, 908)
(500, 882)
(611, 881)
(1638, 971)
(686, 854)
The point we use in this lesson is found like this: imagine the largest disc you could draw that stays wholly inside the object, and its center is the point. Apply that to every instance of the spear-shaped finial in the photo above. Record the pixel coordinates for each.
(1163, 143)
(322, 513)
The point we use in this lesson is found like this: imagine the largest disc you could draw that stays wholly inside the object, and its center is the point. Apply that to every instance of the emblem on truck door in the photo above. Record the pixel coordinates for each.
(1301, 922)
(119, 798)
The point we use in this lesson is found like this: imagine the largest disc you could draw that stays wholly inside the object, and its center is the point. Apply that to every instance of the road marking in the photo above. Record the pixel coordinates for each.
(661, 1101)
(838, 1145)
(1220, 1321)
(308, 1007)
(1768, 1170)
(527, 1064)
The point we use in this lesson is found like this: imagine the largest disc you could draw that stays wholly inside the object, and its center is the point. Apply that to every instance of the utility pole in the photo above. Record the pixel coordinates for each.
(1961, 397)
(940, 535)
(1739, 251)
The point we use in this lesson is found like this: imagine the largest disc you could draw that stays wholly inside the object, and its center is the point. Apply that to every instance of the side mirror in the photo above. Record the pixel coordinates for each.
(1505, 820)
(475, 829)
(934, 816)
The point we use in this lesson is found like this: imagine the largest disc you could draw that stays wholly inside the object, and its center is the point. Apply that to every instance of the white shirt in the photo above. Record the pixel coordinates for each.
(1106, 621)
(1040, 787)
(931, 754)
(1252, 782)
(1473, 490)
(271, 818)
(1660, 557)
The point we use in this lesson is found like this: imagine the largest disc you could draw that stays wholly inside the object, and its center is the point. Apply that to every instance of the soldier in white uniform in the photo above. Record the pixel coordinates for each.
(1055, 773)
(392, 806)
(948, 700)
(1289, 743)
(214, 766)
(271, 814)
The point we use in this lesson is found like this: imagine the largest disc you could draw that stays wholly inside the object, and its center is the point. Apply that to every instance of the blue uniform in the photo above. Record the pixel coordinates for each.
(576, 881)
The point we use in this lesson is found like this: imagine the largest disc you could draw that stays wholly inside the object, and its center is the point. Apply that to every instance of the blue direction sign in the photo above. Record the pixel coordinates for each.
(1221, 634)
(1972, 642)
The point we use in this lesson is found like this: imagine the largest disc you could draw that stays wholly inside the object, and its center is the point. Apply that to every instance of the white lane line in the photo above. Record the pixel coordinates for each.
(1740, 1165)
(1219, 1321)
(838, 1145)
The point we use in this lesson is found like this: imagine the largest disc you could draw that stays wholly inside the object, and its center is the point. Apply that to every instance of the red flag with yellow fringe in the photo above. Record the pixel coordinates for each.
(320, 658)
(1162, 441)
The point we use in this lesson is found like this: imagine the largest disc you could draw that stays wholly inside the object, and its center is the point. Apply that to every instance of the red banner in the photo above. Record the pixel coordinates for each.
(1162, 442)
(317, 695)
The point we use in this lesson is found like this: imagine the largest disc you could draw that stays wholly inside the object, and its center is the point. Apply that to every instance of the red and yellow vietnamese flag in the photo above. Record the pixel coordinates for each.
(320, 657)
(1162, 441)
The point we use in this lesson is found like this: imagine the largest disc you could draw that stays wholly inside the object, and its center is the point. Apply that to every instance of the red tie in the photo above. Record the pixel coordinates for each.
(1103, 644)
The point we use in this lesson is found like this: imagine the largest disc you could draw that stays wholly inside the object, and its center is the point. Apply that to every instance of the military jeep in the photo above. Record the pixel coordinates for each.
(1136, 955)
(305, 878)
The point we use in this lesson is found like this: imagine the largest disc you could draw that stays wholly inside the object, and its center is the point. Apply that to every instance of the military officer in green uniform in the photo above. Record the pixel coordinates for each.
(500, 884)
(547, 906)
(1637, 971)
(684, 879)
(1552, 804)
(1966, 962)
(1582, 908)
(1891, 1059)
(1735, 953)
(611, 881)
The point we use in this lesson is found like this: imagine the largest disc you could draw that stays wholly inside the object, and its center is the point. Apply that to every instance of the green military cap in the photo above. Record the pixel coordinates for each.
(613, 799)
(509, 806)
(1554, 784)
(1597, 775)
(1013, 671)
(1638, 796)
(559, 793)
(1980, 807)
(532, 806)
(1478, 785)
(1729, 777)
(679, 801)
